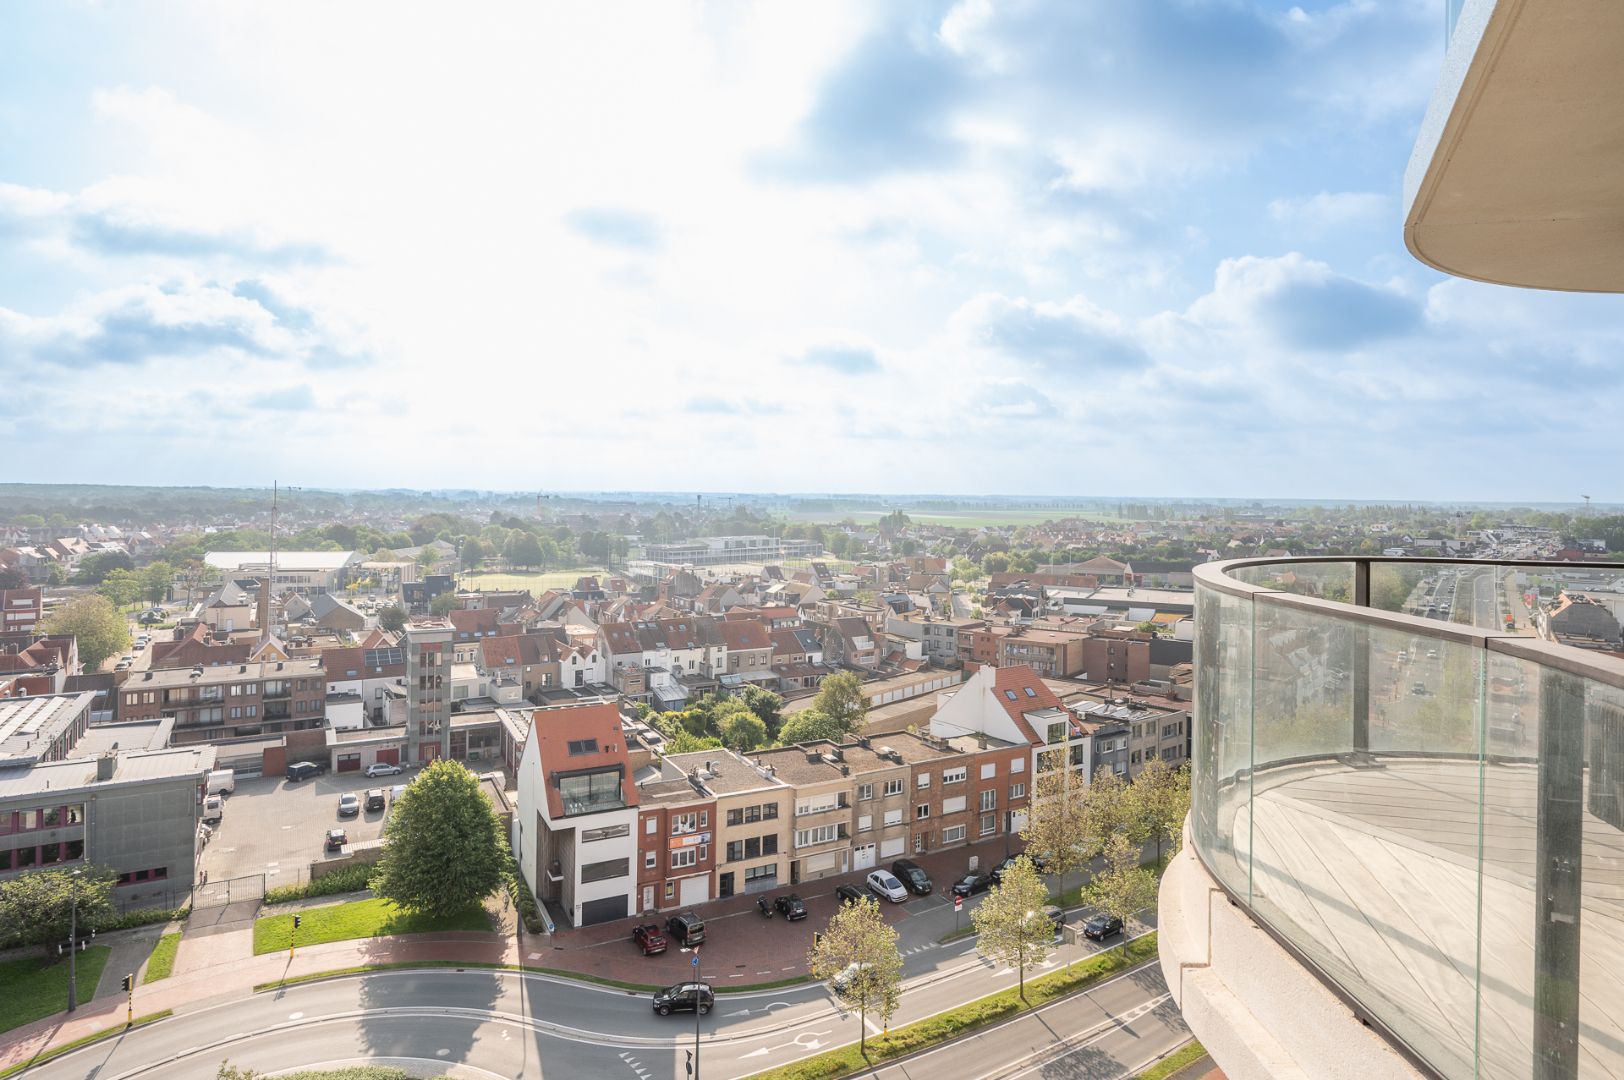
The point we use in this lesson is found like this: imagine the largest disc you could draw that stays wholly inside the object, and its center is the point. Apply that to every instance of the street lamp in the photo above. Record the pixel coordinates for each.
(699, 999)
(73, 939)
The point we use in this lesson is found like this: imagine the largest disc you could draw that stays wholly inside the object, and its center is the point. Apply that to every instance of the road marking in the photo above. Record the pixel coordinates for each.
(792, 967)
(873, 1027)
(812, 1042)
(295, 1015)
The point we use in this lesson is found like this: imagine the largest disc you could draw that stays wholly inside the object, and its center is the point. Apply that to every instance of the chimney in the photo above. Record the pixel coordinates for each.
(105, 765)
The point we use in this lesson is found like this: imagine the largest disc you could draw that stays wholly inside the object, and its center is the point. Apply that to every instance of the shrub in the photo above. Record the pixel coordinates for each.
(519, 892)
(350, 879)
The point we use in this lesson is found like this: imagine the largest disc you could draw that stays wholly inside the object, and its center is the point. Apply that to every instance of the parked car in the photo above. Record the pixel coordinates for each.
(214, 808)
(790, 906)
(375, 799)
(686, 927)
(649, 939)
(336, 839)
(912, 876)
(348, 804)
(884, 884)
(973, 882)
(1056, 917)
(849, 894)
(997, 872)
(684, 997)
(845, 975)
(304, 770)
(382, 768)
(1100, 927)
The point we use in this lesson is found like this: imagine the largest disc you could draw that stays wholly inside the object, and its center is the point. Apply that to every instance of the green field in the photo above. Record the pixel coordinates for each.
(966, 519)
(357, 919)
(537, 582)
(30, 989)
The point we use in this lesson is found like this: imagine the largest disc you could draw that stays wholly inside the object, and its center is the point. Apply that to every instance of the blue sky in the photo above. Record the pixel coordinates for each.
(1037, 248)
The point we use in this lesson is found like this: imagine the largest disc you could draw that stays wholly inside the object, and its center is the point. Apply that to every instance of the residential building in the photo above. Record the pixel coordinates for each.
(850, 641)
(750, 818)
(1013, 705)
(21, 610)
(575, 831)
(428, 689)
(34, 664)
(1115, 658)
(370, 674)
(676, 840)
(937, 636)
(820, 826)
(715, 550)
(797, 659)
(1049, 653)
(197, 645)
(749, 649)
(229, 701)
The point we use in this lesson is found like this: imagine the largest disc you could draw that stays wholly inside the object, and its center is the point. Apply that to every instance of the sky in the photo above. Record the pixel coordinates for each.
(1045, 248)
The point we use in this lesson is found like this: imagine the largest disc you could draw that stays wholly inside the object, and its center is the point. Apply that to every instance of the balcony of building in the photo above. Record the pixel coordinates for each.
(1518, 171)
(1406, 849)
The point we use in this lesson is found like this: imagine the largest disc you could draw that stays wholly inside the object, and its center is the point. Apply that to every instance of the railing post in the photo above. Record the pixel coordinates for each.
(1558, 849)
(1361, 661)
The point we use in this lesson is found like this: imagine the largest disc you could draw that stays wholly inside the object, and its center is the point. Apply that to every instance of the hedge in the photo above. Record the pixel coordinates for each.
(357, 878)
(17, 938)
(519, 892)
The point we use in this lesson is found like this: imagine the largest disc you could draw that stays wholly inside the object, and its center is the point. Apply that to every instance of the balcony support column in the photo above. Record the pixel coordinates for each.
(1558, 850)
(1361, 663)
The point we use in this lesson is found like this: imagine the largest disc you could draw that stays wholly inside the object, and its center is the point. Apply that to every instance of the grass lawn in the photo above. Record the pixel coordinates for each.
(968, 1017)
(162, 960)
(357, 919)
(536, 581)
(30, 989)
(1181, 1058)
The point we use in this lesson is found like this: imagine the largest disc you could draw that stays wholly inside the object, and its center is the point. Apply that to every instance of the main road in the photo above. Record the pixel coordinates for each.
(524, 1025)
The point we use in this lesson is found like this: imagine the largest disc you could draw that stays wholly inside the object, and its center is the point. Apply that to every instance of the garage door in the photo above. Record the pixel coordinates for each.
(389, 756)
(818, 864)
(349, 763)
(694, 890)
(597, 911)
(864, 858)
(892, 848)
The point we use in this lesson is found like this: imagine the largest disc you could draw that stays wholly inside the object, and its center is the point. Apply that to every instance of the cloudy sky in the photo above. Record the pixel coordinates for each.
(1068, 247)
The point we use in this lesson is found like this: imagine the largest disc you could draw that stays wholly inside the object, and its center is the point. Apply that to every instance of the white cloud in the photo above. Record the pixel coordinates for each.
(1318, 214)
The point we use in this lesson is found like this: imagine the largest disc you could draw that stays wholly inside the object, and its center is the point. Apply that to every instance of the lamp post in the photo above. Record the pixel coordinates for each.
(699, 998)
(73, 939)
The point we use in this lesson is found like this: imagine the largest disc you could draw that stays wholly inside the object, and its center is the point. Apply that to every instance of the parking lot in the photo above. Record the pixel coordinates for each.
(276, 828)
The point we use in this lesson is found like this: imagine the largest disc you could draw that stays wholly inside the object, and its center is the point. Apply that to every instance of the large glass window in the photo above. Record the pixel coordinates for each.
(592, 791)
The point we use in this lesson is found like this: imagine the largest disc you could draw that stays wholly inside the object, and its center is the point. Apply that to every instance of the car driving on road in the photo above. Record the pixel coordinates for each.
(684, 997)
(1100, 927)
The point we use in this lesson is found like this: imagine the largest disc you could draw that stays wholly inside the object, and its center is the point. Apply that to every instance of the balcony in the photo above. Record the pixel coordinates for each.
(1426, 816)
(1517, 175)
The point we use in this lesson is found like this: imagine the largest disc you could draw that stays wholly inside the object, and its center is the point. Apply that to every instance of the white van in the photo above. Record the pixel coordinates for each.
(222, 782)
(214, 808)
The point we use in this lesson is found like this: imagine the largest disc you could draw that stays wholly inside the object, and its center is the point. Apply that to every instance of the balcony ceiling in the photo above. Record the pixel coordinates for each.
(1518, 174)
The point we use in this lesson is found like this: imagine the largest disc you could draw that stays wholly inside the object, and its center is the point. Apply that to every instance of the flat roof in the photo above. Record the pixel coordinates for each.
(132, 735)
(286, 561)
(721, 772)
(164, 678)
(30, 724)
(79, 774)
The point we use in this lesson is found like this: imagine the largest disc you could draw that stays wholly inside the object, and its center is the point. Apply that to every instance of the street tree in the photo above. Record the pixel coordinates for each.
(1123, 887)
(1054, 822)
(1159, 799)
(392, 618)
(1107, 809)
(472, 554)
(101, 630)
(1011, 926)
(443, 846)
(42, 902)
(121, 587)
(156, 581)
(857, 955)
(842, 700)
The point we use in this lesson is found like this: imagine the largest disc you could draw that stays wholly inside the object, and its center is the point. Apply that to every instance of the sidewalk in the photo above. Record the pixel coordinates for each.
(741, 949)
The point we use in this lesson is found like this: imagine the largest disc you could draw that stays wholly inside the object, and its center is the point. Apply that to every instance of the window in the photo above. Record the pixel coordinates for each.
(817, 804)
(818, 834)
(769, 812)
(893, 787)
(893, 817)
(684, 823)
(757, 873)
(651, 826)
(1017, 791)
(608, 832)
(704, 852)
(1018, 765)
(955, 776)
(953, 834)
(704, 819)
(1010, 694)
(989, 799)
(604, 871)
(683, 857)
(954, 805)
(924, 780)
(989, 824)
(735, 817)
(865, 792)
(922, 811)
(583, 746)
(650, 860)
(989, 770)
(865, 822)
(670, 890)
(1170, 730)
(769, 844)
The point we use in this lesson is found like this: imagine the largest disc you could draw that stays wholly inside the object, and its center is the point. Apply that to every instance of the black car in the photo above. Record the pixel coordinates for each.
(684, 997)
(849, 894)
(973, 882)
(304, 770)
(998, 871)
(912, 877)
(790, 906)
(686, 927)
(1100, 927)
(375, 799)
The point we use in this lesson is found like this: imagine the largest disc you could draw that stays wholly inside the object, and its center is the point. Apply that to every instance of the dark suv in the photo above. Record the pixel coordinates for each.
(304, 770)
(912, 877)
(686, 927)
(791, 907)
(684, 997)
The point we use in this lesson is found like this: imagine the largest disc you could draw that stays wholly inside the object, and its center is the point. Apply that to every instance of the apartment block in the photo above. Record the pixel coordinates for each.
(675, 842)
(429, 649)
(938, 636)
(750, 819)
(229, 701)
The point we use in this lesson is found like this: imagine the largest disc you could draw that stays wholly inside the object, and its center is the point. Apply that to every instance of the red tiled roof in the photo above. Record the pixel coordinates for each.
(555, 729)
(744, 635)
(1020, 679)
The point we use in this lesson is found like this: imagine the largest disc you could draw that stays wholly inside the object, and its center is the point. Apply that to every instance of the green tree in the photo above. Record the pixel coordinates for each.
(842, 700)
(121, 587)
(443, 846)
(810, 725)
(93, 569)
(857, 954)
(1158, 801)
(427, 557)
(523, 550)
(1011, 927)
(42, 902)
(767, 706)
(742, 730)
(101, 630)
(1123, 887)
(12, 577)
(156, 581)
(1054, 822)
(472, 553)
(444, 604)
(392, 618)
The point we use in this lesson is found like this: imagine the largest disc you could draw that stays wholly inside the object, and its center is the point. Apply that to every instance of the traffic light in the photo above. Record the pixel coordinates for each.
(297, 919)
(129, 983)
(817, 939)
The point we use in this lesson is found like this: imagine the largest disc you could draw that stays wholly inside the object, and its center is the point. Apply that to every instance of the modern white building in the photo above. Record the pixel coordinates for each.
(302, 571)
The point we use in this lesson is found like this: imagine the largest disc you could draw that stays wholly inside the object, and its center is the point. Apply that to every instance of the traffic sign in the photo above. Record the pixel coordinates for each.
(958, 904)
(696, 958)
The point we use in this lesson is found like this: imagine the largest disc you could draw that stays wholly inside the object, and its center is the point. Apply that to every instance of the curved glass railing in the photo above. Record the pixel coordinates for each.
(1423, 799)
